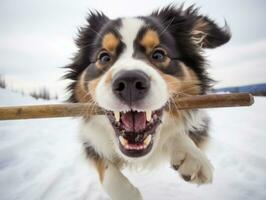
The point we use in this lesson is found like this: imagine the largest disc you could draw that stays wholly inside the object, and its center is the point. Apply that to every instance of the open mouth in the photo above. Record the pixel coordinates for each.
(135, 130)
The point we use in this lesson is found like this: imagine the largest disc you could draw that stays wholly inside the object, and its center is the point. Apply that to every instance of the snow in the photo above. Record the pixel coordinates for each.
(42, 159)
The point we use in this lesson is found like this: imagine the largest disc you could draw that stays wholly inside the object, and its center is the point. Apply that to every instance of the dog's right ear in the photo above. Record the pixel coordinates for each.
(96, 20)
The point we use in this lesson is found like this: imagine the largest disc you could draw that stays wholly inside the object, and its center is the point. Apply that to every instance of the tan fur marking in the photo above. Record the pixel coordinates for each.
(101, 167)
(150, 40)
(204, 144)
(190, 81)
(173, 83)
(80, 90)
(178, 87)
(201, 25)
(185, 86)
(92, 87)
(99, 66)
(110, 42)
(188, 85)
(199, 32)
(109, 77)
(165, 63)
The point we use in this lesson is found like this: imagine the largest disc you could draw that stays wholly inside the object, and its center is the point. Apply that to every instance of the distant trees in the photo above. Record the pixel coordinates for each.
(261, 93)
(2, 82)
(41, 93)
(254, 89)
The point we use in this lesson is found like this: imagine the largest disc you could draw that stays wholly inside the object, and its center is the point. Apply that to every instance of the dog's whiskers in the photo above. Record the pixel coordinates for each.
(167, 26)
(95, 31)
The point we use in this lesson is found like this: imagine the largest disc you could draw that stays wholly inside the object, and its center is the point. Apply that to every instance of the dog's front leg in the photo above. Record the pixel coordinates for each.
(191, 163)
(116, 185)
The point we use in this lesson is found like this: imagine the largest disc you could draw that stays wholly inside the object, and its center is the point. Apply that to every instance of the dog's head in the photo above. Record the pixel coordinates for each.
(135, 69)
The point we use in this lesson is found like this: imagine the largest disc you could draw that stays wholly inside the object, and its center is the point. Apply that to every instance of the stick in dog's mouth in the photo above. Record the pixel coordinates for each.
(135, 130)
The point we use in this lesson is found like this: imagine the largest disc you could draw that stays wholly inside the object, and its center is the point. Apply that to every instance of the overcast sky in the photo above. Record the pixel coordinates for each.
(36, 37)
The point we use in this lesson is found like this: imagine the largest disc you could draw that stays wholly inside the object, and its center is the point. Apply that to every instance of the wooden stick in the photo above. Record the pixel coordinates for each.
(80, 109)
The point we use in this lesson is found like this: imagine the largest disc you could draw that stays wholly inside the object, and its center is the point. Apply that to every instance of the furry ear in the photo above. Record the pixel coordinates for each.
(204, 32)
(207, 34)
(87, 34)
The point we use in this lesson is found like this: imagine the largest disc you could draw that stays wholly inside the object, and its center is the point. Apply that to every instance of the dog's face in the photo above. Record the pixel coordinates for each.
(136, 68)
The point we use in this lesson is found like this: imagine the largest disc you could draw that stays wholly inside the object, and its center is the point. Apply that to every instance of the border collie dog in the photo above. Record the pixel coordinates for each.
(135, 69)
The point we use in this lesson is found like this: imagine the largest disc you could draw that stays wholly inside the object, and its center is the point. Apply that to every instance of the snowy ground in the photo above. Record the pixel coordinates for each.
(41, 159)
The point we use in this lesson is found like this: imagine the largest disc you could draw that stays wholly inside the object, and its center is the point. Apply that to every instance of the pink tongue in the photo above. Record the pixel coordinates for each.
(134, 121)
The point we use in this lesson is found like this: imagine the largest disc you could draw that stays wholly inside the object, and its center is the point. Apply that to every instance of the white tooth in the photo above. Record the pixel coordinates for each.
(147, 140)
(117, 116)
(148, 115)
(123, 140)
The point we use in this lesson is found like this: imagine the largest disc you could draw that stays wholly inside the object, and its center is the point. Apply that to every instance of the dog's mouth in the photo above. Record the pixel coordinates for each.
(135, 130)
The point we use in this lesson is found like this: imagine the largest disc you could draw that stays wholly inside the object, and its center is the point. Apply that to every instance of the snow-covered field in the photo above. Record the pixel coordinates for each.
(42, 159)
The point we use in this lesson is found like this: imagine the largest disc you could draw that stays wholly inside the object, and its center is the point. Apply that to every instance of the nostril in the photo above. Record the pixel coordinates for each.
(140, 85)
(120, 86)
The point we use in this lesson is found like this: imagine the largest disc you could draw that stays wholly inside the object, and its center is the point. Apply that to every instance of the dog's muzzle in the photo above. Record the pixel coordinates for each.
(134, 129)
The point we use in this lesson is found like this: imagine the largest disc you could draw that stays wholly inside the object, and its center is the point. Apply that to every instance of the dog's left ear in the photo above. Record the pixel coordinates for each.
(207, 34)
(203, 32)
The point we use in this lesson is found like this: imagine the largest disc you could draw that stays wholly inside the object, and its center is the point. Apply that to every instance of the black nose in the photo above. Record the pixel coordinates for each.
(131, 86)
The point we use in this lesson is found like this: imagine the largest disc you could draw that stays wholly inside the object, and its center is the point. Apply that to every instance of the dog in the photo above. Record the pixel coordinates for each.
(135, 69)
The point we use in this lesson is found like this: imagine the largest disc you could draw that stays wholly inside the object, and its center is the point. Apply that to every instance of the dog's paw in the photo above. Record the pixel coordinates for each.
(195, 170)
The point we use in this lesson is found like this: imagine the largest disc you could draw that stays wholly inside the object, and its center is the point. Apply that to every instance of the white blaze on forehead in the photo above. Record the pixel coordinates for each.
(129, 31)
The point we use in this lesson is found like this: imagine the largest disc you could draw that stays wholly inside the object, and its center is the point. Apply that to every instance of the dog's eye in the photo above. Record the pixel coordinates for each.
(158, 55)
(104, 58)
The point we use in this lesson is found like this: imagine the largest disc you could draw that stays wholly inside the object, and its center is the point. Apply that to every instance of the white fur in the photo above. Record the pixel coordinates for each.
(118, 186)
(128, 31)
(99, 133)
(183, 150)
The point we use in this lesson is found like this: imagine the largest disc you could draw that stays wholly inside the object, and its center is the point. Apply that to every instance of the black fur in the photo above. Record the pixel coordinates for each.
(91, 153)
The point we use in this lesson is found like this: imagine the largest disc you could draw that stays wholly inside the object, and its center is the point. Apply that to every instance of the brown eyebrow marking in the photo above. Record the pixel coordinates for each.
(110, 42)
(150, 40)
